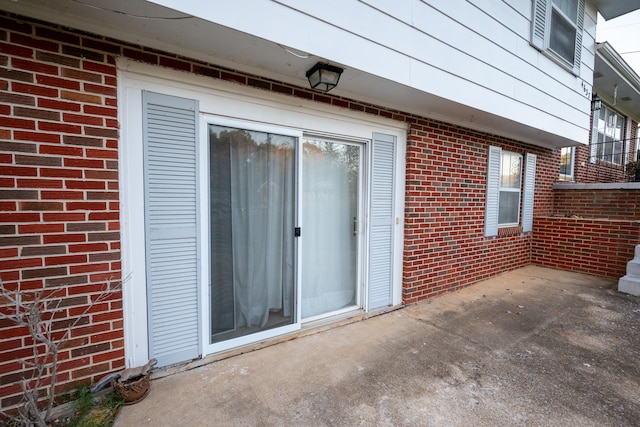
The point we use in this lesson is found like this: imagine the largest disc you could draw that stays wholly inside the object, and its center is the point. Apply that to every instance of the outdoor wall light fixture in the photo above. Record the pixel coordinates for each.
(596, 102)
(324, 77)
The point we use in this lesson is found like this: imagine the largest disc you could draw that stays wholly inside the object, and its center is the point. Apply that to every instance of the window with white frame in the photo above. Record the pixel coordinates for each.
(607, 142)
(556, 29)
(510, 190)
(510, 187)
(566, 163)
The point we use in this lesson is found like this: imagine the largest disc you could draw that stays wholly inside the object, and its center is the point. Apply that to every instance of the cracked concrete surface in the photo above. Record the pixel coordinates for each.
(535, 346)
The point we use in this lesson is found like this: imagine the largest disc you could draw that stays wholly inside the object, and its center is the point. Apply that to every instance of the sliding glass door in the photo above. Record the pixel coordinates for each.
(331, 200)
(252, 211)
(253, 182)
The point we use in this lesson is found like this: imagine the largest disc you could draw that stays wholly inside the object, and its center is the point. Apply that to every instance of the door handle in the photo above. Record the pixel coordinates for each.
(355, 226)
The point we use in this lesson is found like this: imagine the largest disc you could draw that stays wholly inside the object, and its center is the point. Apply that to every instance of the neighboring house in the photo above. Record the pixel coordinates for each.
(176, 146)
(613, 140)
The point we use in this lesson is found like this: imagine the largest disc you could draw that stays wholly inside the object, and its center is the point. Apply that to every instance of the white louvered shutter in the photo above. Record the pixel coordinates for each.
(541, 9)
(579, 25)
(493, 192)
(171, 227)
(381, 217)
(529, 191)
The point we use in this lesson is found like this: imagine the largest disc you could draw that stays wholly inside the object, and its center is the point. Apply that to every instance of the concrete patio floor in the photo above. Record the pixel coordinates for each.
(533, 347)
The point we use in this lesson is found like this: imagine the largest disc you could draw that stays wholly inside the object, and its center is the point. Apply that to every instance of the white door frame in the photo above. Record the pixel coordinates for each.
(238, 103)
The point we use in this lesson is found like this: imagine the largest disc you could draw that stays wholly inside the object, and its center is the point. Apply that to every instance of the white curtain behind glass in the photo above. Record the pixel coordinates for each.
(329, 247)
(261, 168)
(262, 225)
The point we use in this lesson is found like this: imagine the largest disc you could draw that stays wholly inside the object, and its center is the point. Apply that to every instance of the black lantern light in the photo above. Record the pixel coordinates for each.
(324, 77)
(596, 102)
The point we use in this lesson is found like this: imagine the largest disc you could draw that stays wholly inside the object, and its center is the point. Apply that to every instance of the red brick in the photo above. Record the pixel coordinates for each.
(90, 370)
(175, 63)
(41, 206)
(59, 127)
(17, 123)
(13, 50)
(61, 150)
(57, 59)
(60, 36)
(100, 68)
(63, 238)
(18, 264)
(44, 272)
(36, 113)
(32, 42)
(34, 89)
(36, 136)
(19, 217)
(100, 89)
(21, 159)
(88, 247)
(58, 105)
(86, 206)
(140, 56)
(105, 317)
(14, 98)
(76, 74)
(82, 53)
(82, 141)
(85, 185)
(41, 228)
(61, 173)
(64, 217)
(102, 154)
(101, 132)
(112, 356)
(101, 174)
(82, 119)
(83, 163)
(100, 111)
(81, 97)
(89, 268)
(65, 260)
(61, 195)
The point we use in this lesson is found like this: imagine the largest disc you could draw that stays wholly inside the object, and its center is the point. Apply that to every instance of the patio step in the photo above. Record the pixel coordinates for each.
(630, 284)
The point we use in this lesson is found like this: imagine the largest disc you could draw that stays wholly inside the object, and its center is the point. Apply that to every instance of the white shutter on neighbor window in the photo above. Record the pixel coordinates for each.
(541, 10)
(381, 220)
(171, 227)
(493, 192)
(579, 24)
(529, 191)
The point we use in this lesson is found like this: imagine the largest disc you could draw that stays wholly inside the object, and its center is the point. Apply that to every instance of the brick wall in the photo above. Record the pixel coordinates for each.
(445, 247)
(59, 213)
(59, 216)
(594, 246)
(623, 204)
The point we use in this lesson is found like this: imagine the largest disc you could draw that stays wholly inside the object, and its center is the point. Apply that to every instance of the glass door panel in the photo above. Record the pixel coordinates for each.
(252, 187)
(330, 221)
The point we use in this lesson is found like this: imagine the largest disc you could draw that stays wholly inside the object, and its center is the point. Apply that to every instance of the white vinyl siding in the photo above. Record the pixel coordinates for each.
(556, 27)
(171, 227)
(381, 221)
(472, 53)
